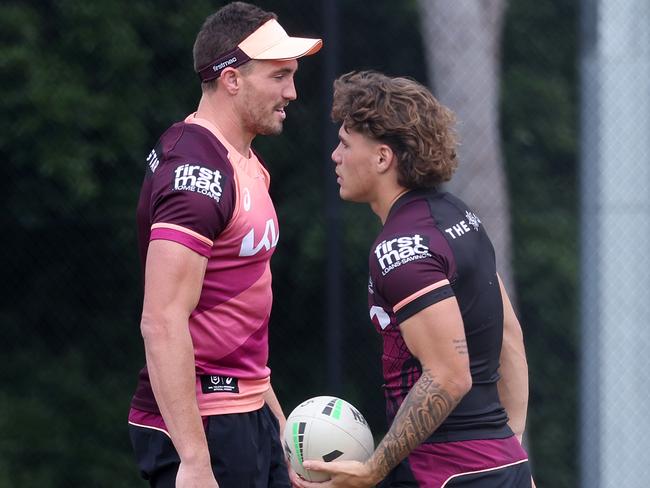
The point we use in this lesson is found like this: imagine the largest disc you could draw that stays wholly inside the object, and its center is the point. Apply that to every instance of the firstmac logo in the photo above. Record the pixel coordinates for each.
(192, 177)
(227, 62)
(393, 253)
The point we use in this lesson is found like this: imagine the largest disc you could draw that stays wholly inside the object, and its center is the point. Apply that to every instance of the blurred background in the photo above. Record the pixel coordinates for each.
(86, 90)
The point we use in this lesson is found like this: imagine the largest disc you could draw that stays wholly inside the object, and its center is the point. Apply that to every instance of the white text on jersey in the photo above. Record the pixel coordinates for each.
(192, 177)
(462, 227)
(391, 251)
(153, 161)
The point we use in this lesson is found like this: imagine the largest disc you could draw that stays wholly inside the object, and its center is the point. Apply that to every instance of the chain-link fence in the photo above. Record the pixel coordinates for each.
(87, 89)
(615, 276)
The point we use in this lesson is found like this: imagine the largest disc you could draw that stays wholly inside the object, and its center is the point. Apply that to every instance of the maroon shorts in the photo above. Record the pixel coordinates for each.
(489, 463)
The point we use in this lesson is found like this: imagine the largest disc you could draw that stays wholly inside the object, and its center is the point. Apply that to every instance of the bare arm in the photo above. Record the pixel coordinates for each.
(436, 337)
(173, 281)
(513, 384)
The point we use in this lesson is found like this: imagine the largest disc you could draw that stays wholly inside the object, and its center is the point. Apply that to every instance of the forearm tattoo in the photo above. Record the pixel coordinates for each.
(423, 410)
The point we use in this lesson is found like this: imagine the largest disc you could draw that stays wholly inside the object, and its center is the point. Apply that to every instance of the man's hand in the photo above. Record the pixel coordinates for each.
(348, 474)
(293, 476)
(195, 477)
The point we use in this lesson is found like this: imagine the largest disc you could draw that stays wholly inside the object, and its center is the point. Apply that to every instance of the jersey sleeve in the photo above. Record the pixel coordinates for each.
(193, 195)
(412, 271)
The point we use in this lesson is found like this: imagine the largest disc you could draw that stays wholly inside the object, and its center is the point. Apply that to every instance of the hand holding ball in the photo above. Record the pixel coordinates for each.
(329, 429)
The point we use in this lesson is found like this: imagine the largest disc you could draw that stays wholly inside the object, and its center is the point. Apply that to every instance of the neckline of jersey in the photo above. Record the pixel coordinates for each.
(407, 197)
(205, 123)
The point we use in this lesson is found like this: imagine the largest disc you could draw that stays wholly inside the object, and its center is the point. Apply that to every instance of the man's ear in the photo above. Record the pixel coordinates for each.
(386, 158)
(230, 80)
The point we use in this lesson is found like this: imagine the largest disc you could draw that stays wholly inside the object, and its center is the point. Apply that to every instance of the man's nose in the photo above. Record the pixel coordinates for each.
(290, 91)
(335, 155)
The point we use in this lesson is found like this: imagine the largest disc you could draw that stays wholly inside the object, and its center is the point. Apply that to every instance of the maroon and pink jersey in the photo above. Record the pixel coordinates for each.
(432, 247)
(201, 193)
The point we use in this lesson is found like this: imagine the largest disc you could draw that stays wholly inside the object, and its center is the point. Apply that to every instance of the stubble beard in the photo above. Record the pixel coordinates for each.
(268, 129)
(261, 122)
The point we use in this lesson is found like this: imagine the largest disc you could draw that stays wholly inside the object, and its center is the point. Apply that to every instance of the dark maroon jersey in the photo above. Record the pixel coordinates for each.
(432, 247)
(193, 188)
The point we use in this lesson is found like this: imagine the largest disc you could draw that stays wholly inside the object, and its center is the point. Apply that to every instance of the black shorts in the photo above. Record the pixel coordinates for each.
(245, 451)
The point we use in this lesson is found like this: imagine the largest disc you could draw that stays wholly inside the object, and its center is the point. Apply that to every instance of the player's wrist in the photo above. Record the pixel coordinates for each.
(195, 457)
(372, 472)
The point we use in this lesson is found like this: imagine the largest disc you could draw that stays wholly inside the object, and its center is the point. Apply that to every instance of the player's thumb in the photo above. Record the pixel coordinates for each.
(314, 465)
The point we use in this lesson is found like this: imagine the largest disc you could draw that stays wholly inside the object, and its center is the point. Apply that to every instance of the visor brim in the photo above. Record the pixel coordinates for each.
(290, 48)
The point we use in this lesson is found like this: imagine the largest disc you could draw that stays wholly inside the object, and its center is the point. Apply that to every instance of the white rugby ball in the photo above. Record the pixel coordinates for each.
(326, 428)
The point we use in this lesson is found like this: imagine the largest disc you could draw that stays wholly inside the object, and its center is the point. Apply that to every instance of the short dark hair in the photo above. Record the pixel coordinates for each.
(225, 29)
(403, 114)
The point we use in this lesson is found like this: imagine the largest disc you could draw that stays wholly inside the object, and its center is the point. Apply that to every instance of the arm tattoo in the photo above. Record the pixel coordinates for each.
(423, 410)
(461, 346)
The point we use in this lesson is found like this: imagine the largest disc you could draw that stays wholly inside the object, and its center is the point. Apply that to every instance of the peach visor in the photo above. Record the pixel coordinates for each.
(269, 42)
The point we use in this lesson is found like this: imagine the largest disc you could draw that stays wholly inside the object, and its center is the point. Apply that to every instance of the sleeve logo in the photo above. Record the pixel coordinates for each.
(379, 316)
(198, 179)
(153, 161)
(393, 253)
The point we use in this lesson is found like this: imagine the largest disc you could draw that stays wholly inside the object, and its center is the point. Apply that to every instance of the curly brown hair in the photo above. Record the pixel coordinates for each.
(403, 114)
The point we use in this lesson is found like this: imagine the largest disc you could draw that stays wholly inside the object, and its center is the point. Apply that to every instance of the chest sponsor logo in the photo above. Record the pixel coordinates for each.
(393, 253)
(463, 227)
(267, 241)
(198, 179)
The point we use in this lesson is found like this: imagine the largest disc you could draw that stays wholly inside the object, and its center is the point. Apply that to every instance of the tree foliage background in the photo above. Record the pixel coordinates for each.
(87, 88)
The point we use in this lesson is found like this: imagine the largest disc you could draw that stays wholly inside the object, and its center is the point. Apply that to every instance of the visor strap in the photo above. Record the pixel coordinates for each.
(232, 59)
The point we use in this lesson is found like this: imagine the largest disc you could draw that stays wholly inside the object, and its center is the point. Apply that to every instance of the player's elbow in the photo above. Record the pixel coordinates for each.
(460, 379)
(462, 383)
(457, 382)
(154, 327)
